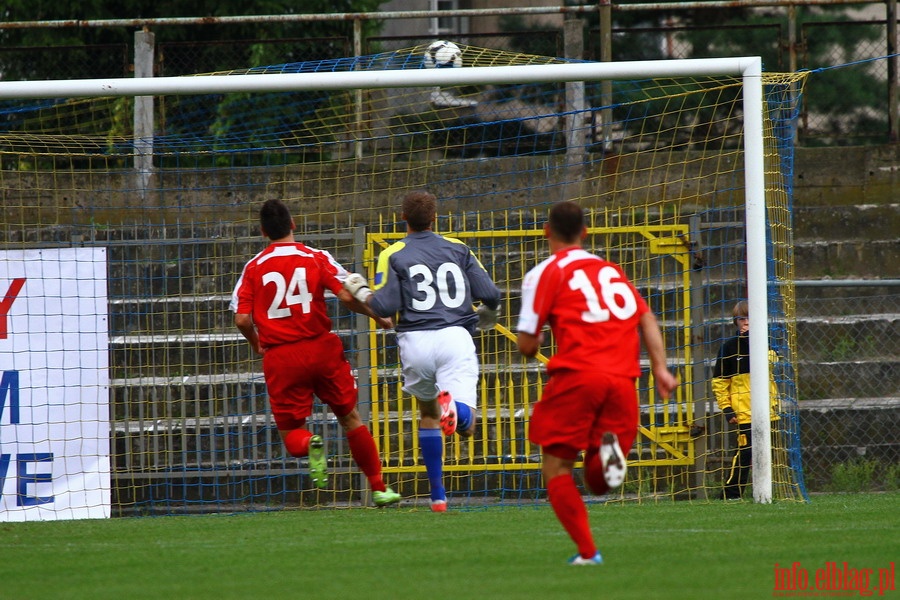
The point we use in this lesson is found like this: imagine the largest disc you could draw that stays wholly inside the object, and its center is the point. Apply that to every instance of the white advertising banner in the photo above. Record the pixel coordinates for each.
(54, 385)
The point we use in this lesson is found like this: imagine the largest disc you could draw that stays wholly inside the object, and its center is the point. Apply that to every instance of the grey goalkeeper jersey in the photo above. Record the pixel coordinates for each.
(431, 281)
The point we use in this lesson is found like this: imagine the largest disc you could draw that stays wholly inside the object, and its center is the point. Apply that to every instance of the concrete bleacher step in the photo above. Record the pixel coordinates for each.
(839, 430)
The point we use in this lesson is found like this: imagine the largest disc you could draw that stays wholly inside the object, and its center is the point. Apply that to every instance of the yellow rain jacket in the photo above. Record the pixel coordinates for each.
(731, 379)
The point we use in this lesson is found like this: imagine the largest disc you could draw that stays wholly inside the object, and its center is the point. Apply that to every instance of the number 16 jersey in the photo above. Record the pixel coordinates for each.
(592, 309)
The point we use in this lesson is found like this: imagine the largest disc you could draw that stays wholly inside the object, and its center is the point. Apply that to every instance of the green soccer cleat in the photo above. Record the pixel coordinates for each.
(388, 496)
(318, 465)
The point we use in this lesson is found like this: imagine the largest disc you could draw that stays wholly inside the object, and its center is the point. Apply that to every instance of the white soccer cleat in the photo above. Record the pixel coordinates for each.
(613, 461)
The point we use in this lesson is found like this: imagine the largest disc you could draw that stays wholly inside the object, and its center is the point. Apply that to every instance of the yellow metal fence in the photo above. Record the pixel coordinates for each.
(655, 257)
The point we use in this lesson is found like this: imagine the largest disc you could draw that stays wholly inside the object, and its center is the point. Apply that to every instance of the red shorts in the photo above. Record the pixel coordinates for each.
(295, 372)
(577, 407)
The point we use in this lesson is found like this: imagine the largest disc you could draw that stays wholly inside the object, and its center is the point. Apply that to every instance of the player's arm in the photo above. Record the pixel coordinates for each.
(528, 343)
(483, 287)
(529, 336)
(774, 397)
(353, 303)
(656, 349)
(244, 323)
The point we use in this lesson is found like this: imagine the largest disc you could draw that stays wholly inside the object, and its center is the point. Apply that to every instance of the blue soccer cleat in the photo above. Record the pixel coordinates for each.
(579, 560)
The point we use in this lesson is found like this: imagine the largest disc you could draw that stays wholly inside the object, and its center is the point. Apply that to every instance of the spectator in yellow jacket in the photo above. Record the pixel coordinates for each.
(731, 386)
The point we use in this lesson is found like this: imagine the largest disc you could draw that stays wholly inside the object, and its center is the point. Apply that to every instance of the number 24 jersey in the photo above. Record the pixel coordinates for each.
(592, 309)
(283, 288)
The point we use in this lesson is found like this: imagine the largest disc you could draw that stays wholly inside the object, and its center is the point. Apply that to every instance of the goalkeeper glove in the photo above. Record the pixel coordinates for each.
(357, 285)
(487, 317)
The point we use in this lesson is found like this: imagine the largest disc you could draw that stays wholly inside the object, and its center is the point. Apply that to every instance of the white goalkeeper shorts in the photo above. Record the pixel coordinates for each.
(439, 360)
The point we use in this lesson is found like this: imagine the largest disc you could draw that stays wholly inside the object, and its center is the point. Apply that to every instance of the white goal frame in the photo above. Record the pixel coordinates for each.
(748, 68)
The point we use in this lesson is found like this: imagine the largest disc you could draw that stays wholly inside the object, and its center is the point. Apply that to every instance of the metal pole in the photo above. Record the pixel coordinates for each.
(358, 93)
(363, 364)
(893, 46)
(605, 9)
(144, 50)
(573, 32)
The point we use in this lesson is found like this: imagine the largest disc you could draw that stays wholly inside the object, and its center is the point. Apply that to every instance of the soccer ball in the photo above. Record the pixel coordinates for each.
(443, 54)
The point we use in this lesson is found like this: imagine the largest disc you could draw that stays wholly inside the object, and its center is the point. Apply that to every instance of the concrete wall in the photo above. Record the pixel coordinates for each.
(833, 177)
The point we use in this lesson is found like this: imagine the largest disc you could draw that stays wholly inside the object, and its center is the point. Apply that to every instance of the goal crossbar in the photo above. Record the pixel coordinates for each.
(344, 80)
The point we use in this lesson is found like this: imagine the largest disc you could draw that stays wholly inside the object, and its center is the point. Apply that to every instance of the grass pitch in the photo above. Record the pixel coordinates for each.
(669, 551)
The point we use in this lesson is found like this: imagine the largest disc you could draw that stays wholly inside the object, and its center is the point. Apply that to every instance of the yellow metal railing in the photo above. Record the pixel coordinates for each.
(510, 384)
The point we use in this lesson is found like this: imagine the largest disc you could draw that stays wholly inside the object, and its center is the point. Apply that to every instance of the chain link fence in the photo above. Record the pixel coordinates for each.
(849, 386)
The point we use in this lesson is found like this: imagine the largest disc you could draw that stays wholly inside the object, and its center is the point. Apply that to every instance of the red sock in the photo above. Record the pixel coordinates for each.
(593, 472)
(297, 442)
(571, 512)
(365, 453)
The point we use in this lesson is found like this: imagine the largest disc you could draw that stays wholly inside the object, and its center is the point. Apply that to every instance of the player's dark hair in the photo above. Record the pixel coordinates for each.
(566, 221)
(275, 219)
(419, 208)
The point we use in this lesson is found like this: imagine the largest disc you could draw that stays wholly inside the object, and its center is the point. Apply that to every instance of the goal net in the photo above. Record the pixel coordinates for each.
(130, 207)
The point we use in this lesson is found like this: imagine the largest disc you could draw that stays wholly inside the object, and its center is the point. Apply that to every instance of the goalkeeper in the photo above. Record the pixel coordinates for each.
(731, 386)
(432, 281)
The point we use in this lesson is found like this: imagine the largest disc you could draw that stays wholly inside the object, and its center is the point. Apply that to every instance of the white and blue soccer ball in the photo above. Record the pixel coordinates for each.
(443, 54)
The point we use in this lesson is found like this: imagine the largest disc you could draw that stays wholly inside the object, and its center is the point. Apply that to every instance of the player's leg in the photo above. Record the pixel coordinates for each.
(457, 375)
(417, 366)
(291, 398)
(365, 453)
(745, 457)
(431, 442)
(561, 426)
(337, 389)
(612, 433)
(567, 502)
(732, 489)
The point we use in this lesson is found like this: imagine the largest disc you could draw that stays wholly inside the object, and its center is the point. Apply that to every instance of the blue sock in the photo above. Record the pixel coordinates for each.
(431, 441)
(463, 416)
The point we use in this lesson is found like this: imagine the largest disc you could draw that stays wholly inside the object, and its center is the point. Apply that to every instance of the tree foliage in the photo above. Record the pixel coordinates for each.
(94, 52)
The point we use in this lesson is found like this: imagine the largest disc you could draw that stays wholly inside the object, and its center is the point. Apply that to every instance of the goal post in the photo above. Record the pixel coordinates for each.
(514, 226)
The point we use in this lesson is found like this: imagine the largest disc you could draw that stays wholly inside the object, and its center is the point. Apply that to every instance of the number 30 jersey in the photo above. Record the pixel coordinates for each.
(431, 281)
(592, 309)
(283, 289)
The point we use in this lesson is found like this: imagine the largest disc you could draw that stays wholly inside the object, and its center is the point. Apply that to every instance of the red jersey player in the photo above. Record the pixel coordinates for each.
(589, 401)
(279, 306)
